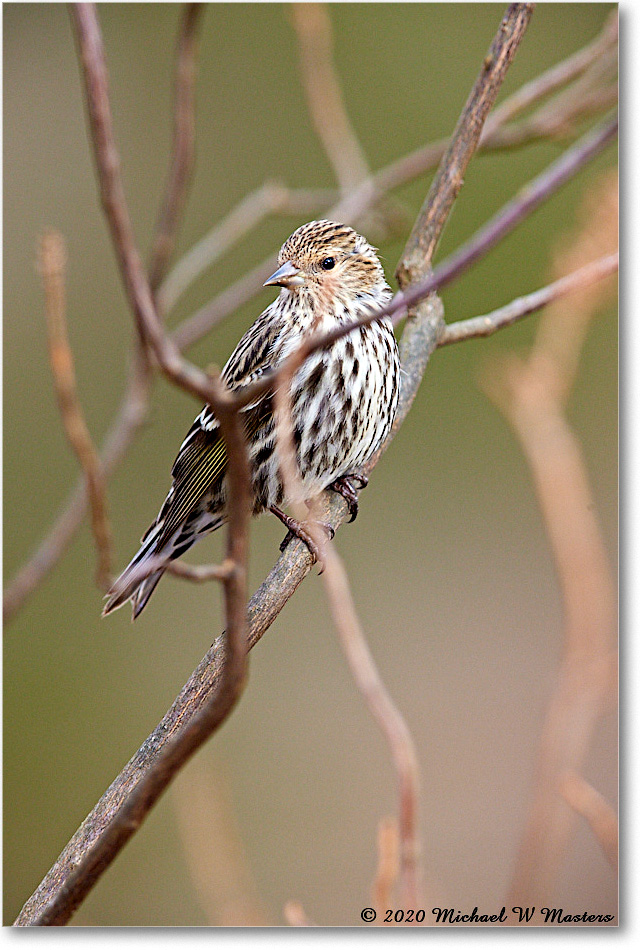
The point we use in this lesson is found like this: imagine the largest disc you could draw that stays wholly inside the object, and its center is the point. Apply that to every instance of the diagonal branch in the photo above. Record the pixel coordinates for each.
(523, 306)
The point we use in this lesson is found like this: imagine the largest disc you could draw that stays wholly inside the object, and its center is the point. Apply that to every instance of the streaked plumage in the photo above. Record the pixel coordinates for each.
(343, 398)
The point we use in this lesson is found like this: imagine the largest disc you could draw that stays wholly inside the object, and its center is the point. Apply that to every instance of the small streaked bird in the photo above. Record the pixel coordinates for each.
(343, 399)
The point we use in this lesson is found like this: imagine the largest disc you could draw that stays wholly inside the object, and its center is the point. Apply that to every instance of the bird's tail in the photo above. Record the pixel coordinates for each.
(138, 580)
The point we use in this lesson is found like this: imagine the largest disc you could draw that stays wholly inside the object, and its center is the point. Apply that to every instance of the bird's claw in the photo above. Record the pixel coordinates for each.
(344, 486)
(297, 529)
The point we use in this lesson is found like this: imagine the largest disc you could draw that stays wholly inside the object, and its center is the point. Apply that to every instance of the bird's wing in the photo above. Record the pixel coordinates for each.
(202, 458)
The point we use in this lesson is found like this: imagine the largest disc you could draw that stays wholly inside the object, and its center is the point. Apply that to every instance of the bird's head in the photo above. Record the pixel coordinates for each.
(330, 261)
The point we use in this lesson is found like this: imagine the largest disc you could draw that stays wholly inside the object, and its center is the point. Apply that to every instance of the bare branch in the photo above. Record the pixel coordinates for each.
(355, 646)
(555, 78)
(588, 803)
(325, 99)
(530, 197)
(182, 160)
(423, 240)
(52, 258)
(524, 306)
(133, 410)
(201, 573)
(389, 719)
(55, 901)
(104, 842)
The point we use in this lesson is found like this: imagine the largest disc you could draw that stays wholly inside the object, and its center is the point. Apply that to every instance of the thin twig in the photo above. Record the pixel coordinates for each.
(389, 719)
(592, 806)
(325, 98)
(52, 258)
(200, 573)
(129, 420)
(555, 78)
(182, 160)
(524, 306)
(148, 324)
(197, 574)
(355, 646)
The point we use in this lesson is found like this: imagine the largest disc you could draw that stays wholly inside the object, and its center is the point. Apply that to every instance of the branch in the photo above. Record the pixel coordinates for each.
(270, 198)
(323, 91)
(52, 266)
(182, 160)
(436, 208)
(524, 306)
(389, 719)
(555, 78)
(213, 848)
(130, 418)
(387, 866)
(529, 198)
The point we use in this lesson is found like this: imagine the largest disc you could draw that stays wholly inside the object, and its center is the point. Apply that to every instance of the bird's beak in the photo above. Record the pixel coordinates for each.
(286, 276)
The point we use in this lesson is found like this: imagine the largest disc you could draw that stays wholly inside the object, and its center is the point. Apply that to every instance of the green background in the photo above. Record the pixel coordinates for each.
(448, 560)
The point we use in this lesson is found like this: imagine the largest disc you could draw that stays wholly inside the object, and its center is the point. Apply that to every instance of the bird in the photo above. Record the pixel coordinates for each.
(343, 402)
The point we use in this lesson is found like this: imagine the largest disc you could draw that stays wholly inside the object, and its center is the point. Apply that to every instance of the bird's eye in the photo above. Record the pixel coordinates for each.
(328, 263)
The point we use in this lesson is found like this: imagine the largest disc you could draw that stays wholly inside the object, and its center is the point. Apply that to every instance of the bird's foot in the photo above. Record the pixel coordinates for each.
(298, 529)
(345, 486)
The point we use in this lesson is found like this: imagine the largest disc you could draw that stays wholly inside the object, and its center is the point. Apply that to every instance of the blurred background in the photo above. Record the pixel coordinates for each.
(449, 561)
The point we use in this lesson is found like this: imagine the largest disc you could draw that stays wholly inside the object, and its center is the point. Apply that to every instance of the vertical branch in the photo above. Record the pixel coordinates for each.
(182, 148)
(325, 99)
(52, 267)
(55, 901)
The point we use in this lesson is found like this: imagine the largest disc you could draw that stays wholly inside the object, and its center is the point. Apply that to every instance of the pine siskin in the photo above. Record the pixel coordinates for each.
(343, 399)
